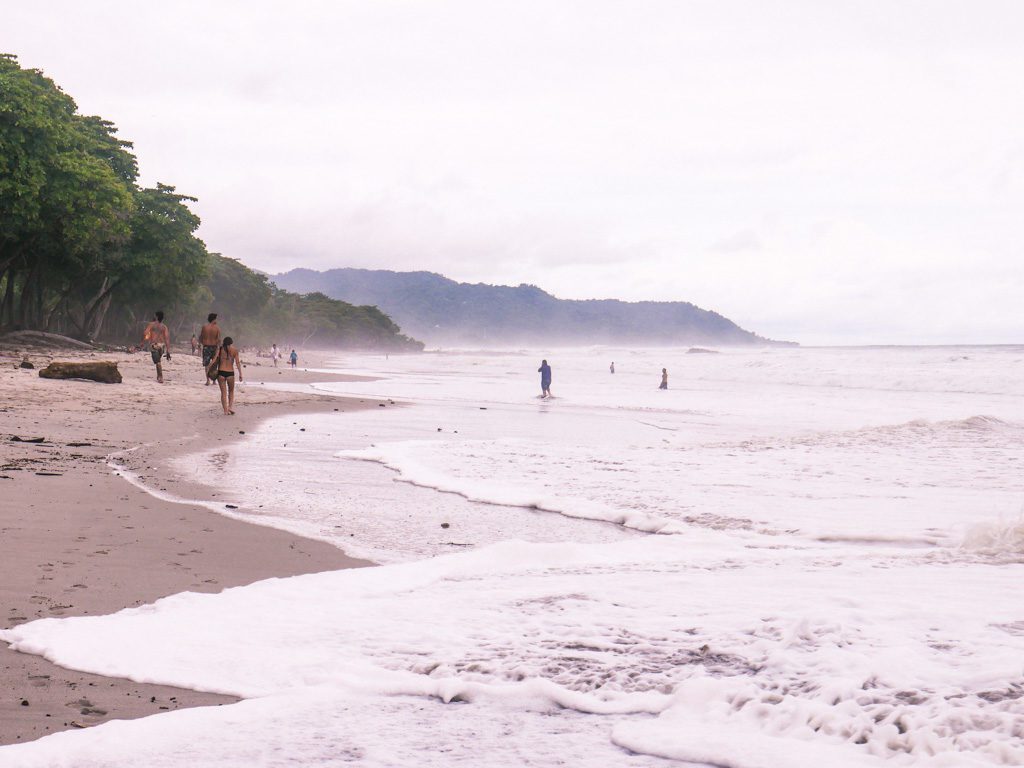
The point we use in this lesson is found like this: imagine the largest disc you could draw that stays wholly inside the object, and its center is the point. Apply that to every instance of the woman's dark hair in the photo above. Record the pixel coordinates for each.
(211, 317)
(228, 341)
(159, 317)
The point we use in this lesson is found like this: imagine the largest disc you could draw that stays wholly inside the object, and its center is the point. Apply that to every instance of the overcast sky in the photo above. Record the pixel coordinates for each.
(828, 172)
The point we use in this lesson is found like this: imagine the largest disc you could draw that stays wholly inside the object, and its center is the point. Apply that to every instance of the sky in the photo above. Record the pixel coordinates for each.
(825, 172)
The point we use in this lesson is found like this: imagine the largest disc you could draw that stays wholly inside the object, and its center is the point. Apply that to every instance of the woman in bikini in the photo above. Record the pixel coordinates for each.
(227, 361)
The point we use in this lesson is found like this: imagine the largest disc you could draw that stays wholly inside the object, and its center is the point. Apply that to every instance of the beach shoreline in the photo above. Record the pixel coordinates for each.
(76, 539)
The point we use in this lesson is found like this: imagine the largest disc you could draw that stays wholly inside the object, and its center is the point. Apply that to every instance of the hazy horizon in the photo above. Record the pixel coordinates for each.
(840, 174)
(516, 344)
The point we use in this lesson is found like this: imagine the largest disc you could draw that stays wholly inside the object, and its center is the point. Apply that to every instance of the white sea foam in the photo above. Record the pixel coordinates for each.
(840, 586)
(1001, 537)
(615, 629)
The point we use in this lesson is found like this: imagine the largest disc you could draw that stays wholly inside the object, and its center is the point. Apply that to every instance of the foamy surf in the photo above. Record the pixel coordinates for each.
(838, 663)
(402, 458)
(1003, 538)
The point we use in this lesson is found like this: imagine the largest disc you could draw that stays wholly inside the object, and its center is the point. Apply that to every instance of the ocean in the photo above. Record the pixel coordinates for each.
(790, 557)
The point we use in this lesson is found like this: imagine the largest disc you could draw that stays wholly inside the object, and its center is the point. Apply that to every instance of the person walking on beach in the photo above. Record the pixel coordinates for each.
(275, 354)
(611, 368)
(209, 337)
(293, 359)
(195, 344)
(159, 340)
(545, 378)
(664, 379)
(222, 367)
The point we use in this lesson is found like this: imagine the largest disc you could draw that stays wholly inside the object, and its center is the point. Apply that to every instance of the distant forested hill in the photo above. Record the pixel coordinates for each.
(437, 310)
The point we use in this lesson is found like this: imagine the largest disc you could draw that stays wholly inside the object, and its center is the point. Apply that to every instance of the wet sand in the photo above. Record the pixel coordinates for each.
(76, 539)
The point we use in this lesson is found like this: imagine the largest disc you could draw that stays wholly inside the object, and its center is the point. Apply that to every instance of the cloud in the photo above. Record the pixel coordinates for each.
(744, 240)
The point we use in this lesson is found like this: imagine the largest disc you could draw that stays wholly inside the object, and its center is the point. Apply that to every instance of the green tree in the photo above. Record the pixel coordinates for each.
(62, 203)
(162, 263)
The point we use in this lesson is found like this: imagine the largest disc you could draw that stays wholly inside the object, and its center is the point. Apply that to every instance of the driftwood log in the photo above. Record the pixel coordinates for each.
(102, 371)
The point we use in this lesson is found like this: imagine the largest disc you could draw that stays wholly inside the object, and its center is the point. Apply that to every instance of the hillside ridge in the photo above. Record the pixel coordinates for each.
(441, 311)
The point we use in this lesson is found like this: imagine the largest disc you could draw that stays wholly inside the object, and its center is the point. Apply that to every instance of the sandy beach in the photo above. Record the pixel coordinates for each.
(76, 539)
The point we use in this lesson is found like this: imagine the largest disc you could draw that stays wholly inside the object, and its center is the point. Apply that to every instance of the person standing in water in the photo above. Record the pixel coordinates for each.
(159, 340)
(611, 368)
(209, 337)
(293, 359)
(664, 379)
(545, 378)
(223, 366)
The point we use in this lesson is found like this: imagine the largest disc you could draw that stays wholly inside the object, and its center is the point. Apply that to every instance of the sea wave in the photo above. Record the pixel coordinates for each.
(403, 458)
(996, 537)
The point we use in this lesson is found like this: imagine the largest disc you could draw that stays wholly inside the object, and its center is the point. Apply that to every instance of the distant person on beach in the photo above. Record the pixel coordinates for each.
(611, 368)
(545, 378)
(159, 340)
(664, 379)
(293, 359)
(209, 337)
(222, 367)
(195, 344)
(275, 354)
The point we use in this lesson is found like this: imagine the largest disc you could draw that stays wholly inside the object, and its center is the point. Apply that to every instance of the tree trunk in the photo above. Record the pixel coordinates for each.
(99, 316)
(40, 312)
(7, 304)
(96, 310)
(25, 303)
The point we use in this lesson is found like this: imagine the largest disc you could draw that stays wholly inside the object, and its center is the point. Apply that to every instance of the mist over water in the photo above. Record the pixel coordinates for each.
(791, 557)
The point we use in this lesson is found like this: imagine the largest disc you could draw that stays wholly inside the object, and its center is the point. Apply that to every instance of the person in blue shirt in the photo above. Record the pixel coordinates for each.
(293, 358)
(545, 378)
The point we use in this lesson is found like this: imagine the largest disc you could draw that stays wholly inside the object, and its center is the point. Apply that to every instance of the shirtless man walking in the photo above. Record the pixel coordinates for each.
(209, 337)
(159, 340)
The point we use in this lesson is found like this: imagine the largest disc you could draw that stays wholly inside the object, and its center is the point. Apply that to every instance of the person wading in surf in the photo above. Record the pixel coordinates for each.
(545, 378)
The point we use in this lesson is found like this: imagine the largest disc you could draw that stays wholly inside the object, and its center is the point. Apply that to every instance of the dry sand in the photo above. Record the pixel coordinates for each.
(75, 539)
